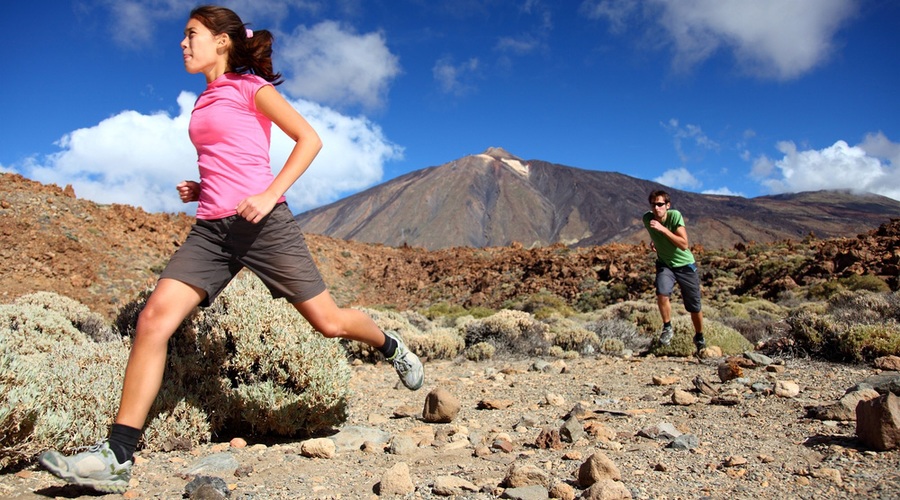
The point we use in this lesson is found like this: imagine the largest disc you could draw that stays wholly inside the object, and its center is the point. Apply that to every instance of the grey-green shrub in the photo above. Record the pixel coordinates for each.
(79, 315)
(510, 331)
(715, 333)
(480, 352)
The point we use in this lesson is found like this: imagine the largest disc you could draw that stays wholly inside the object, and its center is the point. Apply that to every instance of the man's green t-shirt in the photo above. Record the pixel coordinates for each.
(666, 251)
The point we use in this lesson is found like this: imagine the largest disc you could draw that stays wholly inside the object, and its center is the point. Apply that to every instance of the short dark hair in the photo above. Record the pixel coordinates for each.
(656, 194)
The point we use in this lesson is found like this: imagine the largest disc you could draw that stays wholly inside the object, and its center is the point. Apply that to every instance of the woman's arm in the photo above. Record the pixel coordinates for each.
(270, 103)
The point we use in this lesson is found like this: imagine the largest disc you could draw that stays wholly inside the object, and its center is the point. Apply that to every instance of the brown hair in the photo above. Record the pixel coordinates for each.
(656, 194)
(247, 54)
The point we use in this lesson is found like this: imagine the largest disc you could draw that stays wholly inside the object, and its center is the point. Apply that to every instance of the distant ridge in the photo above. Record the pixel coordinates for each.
(496, 199)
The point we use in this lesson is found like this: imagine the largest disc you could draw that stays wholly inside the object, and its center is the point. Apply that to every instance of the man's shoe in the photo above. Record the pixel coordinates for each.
(666, 335)
(407, 364)
(699, 342)
(97, 468)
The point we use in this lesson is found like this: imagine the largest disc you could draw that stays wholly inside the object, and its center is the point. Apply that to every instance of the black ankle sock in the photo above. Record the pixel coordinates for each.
(390, 345)
(667, 324)
(123, 440)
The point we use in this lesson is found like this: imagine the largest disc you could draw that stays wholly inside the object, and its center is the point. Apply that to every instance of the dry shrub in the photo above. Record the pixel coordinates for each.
(509, 331)
(616, 335)
(480, 352)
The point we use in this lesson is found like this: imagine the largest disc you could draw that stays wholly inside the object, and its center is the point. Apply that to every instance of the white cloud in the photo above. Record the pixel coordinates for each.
(689, 133)
(839, 166)
(137, 159)
(678, 178)
(723, 191)
(768, 38)
(327, 64)
(455, 78)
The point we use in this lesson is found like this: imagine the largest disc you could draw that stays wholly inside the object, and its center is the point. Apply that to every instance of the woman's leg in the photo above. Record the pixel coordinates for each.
(166, 308)
(332, 321)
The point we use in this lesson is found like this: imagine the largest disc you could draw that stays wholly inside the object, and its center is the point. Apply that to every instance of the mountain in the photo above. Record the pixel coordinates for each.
(497, 199)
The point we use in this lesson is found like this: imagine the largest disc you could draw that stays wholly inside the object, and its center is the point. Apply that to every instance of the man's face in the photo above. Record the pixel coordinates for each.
(659, 207)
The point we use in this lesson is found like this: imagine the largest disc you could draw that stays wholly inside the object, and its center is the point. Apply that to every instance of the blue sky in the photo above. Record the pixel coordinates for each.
(735, 97)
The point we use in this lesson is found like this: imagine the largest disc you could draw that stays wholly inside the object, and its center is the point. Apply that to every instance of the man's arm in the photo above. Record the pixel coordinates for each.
(679, 238)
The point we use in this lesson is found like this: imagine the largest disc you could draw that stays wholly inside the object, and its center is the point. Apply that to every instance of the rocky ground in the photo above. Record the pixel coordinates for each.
(762, 446)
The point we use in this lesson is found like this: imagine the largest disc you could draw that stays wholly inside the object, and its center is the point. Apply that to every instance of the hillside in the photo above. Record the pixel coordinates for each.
(103, 256)
(497, 199)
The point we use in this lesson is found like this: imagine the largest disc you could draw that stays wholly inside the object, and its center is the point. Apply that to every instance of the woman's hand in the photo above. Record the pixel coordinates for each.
(188, 191)
(255, 208)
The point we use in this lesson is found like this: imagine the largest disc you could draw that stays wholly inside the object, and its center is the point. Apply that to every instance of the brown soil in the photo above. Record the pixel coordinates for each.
(762, 447)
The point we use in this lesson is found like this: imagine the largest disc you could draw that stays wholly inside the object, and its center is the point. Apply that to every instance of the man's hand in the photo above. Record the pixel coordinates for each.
(188, 191)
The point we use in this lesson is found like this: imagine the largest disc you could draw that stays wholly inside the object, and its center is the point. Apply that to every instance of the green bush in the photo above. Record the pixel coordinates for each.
(613, 332)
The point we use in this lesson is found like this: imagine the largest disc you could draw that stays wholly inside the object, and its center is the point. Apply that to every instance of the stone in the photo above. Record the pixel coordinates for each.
(526, 493)
(729, 371)
(710, 352)
(890, 363)
(352, 437)
(878, 422)
(206, 488)
(562, 491)
(786, 389)
(440, 406)
(703, 386)
(447, 486)
(396, 481)
(571, 430)
(684, 442)
(759, 359)
(318, 448)
(548, 439)
(525, 475)
(683, 398)
(664, 380)
(402, 445)
(607, 489)
(597, 467)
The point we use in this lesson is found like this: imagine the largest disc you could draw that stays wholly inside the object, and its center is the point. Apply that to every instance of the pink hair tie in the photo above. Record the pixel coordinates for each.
(249, 33)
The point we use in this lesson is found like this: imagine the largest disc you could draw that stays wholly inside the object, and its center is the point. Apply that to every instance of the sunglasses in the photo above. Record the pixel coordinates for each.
(659, 204)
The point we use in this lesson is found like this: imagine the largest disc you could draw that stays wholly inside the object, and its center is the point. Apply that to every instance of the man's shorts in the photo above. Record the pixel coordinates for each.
(686, 277)
(274, 249)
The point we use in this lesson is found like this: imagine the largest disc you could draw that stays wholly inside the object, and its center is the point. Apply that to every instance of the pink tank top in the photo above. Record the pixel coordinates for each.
(232, 139)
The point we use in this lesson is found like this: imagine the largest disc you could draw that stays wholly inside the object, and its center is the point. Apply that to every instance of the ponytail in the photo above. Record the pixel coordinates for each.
(250, 52)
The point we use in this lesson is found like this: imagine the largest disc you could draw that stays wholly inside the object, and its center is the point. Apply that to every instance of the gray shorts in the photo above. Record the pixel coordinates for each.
(688, 280)
(274, 249)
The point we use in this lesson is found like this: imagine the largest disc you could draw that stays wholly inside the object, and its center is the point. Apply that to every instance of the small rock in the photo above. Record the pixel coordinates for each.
(571, 430)
(786, 389)
(318, 448)
(832, 475)
(878, 422)
(525, 475)
(597, 467)
(607, 489)
(759, 359)
(562, 491)
(729, 371)
(402, 445)
(775, 369)
(684, 442)
(526, 493)
(548, 439)
(554, 399)
(734, 461)
(494, 404)
(207, 488)
(665, 380)
(440, 406)
(683, 398)
(710, 352)
(396, 481)
(703, 386)
(447, 486)
(890, 363)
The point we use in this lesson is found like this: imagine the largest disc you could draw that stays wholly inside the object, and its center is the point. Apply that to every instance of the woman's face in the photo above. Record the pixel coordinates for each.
(200, 47)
